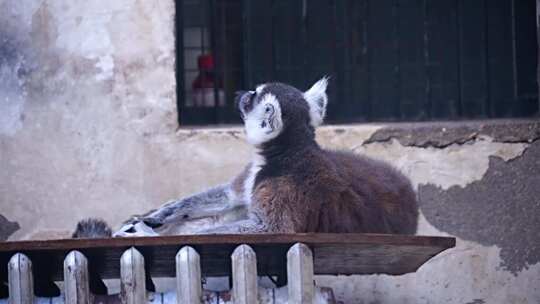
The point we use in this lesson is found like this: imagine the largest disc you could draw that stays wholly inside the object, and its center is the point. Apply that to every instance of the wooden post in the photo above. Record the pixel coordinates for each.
(188, 276)
(300, 274)
(21, 282)
(132, 277)
(76, 284)
(244, 273)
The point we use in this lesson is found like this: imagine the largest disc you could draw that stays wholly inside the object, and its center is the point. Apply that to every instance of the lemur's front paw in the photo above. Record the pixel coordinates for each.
(152, 222)
(136, 227)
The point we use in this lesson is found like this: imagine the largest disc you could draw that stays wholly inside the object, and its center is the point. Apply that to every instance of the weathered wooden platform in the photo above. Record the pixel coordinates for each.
(333, 253)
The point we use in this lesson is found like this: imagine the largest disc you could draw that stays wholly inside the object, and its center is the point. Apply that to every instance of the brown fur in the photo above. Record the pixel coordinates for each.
(340, 192)
(304, 188)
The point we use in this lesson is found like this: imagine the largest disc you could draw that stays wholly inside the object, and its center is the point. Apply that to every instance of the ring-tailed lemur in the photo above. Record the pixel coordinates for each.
(292, 184)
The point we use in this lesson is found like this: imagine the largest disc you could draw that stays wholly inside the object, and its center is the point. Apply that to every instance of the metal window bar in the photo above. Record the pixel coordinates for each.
(386, 57)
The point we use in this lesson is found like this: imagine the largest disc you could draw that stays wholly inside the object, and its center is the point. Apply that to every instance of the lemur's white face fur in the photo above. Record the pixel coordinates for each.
(263, 110)
(263, 121)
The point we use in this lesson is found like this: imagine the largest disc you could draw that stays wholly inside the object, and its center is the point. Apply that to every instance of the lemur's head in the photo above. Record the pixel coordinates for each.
(274, 108)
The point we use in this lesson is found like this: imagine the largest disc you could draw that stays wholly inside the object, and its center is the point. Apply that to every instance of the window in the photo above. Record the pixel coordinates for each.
(389, 59)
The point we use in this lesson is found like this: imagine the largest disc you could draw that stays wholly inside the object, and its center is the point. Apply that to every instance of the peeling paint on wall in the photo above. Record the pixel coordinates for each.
(457, 164)
(502, 208)
(444, 134)
(478, 270)
(461, 275)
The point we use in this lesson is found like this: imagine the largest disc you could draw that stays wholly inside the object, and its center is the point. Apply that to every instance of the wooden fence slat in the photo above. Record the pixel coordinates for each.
(155, 298)
(40, 300)
(21, 282)
(132, 277)
(244, 274)
(332, 253)
(76, 284)
(300, 274)
(188, 276)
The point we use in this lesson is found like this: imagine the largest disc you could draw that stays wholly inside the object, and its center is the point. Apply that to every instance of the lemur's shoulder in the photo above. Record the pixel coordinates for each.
(237, 184)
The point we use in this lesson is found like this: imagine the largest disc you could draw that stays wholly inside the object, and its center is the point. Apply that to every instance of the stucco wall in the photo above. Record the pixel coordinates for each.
(87, 106)
(88, 128)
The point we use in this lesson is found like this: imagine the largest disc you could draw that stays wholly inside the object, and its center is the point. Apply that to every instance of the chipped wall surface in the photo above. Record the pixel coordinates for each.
(88, 128)
(477, 181)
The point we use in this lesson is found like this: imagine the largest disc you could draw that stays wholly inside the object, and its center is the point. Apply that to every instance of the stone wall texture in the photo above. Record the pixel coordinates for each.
(88, 127)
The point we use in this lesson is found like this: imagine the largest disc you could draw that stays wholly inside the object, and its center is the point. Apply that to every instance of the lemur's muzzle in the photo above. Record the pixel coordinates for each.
(244, 101)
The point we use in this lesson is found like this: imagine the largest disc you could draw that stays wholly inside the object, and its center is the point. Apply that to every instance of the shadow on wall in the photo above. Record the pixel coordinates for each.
(501, 209)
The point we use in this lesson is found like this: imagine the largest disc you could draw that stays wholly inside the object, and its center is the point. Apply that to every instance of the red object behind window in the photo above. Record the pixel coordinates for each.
(206, 78)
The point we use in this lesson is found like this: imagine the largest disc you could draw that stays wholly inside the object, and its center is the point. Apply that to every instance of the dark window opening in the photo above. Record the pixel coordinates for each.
(389, 60)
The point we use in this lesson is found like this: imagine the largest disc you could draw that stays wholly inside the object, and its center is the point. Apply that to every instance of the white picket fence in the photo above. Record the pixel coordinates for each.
(245, 290)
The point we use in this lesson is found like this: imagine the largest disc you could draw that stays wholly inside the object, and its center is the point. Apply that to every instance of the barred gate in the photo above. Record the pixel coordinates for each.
(390, 60)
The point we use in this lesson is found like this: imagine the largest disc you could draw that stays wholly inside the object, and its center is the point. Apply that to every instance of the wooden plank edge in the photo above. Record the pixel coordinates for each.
(230, 239)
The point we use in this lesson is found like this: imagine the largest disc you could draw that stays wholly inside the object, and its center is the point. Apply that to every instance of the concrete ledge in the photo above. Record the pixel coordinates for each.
(438, 134)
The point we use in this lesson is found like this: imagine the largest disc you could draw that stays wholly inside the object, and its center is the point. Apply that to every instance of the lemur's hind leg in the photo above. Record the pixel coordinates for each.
(215, 202)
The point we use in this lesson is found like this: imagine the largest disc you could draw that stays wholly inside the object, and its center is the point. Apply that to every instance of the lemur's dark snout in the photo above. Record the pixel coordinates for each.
(237, 96)
(244, 101)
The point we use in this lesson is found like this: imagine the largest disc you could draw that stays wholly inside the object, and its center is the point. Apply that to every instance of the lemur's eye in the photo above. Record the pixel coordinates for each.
(269, 109)
(263, 124)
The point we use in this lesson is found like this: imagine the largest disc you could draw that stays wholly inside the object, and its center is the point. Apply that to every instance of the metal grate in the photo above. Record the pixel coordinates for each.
(209, 71)
(389, 59)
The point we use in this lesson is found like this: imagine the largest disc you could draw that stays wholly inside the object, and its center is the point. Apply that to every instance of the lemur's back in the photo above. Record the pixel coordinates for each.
(335, 192)
(383, 198)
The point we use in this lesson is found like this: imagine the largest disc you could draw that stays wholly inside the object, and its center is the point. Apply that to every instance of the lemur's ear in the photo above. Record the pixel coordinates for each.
(317, 100)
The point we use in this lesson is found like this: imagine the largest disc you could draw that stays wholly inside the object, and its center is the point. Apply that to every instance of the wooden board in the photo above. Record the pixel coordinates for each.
(332, 253)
